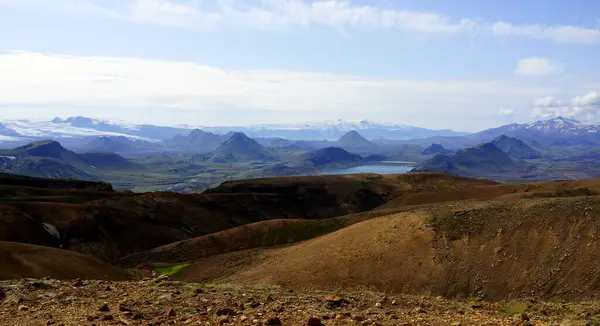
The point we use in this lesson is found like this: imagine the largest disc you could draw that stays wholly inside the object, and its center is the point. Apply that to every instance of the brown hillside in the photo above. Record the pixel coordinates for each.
(540, 247)
(116, 225)
(19, 260)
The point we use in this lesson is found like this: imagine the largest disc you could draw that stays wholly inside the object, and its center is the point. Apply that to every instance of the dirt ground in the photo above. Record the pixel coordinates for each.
(164, 302)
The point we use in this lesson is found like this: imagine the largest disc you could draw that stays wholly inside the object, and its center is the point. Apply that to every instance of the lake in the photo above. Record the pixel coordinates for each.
(375, 168)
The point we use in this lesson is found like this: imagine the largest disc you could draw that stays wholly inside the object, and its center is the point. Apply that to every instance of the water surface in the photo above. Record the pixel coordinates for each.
(375, 168)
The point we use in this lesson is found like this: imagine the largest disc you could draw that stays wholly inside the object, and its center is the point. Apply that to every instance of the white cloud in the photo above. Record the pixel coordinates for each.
(122, 84)
(585, 107)
(557, 34)
(342, 15)
(504, 112)
(276, 14)
(537, 67)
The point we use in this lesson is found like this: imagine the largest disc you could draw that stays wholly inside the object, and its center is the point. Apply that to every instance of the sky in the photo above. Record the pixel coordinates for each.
(458, 64)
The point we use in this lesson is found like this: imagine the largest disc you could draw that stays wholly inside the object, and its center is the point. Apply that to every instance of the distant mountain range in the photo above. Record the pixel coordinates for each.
(79, 132)
(83, 127)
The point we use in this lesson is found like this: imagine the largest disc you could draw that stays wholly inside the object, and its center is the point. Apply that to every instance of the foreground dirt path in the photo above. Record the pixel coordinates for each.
(163, 302)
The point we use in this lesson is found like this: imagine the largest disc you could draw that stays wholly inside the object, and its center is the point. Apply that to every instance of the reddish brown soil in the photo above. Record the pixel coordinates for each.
(156, 302)
(546, 248)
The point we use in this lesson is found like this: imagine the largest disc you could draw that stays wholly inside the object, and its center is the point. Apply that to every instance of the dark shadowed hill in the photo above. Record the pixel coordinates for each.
(19, 260)
(515, 148)
(49, 159)
(197, 141)
(435, 149)
(482, 160)
(239, 148)
(326, 157)
(120, 144)
(355, 141)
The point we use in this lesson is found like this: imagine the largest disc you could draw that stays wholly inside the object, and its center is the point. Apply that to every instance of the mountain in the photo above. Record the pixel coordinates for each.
(49, 159)
(197, 140)
(327, 157)
(355, 141)
(49, 149)
(435, 149)
(486, 159)
(515, 148)
(240, 148)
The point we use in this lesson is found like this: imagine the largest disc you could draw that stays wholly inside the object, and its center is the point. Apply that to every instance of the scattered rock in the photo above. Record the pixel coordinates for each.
(107, 288)
(91, 318)
(273, 320)
(107, 318)
(394, 302)
(378, 305)
(23, 308)
(243, 318)
(78, 283)
(314, 322)
(104, 307)
(524, 317)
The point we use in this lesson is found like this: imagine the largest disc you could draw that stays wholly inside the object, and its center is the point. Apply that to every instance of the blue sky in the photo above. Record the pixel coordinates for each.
(465, 65)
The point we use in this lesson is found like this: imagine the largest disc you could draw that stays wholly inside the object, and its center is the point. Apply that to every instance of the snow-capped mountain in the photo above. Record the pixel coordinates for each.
(552, 128)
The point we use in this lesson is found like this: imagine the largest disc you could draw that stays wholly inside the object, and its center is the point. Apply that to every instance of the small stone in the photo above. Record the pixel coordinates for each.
(23, 308)
(394, 302)
(314, 322)
(456, 323)
(170, 312)
(124, 308)
(104, 307)
(420, 310)
(255, 321)
(378, 305)
(107, 317)
(226, 312)
(524, 317)
(198, 291)
(273, 320)
(477, 305)
(224, 320)
(243, 318)
(91, 318)
(108, 288)
(78, 283)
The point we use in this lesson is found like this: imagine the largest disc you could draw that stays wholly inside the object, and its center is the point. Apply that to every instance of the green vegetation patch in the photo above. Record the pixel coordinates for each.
(171, 270)
(513, 308)
(460, 224)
